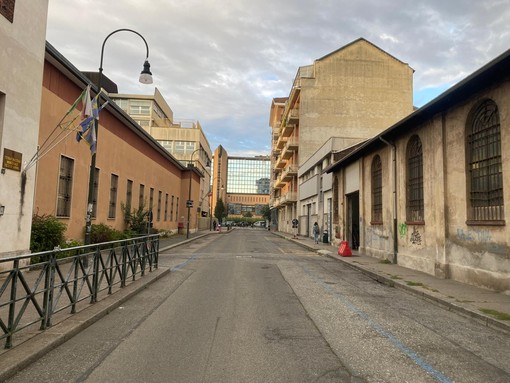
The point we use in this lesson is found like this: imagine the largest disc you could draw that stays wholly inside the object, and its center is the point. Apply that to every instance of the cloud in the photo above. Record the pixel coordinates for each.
(222, 62)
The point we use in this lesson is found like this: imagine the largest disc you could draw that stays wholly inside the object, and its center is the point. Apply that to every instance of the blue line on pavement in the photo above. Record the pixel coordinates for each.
(181, 265)
(382, 331)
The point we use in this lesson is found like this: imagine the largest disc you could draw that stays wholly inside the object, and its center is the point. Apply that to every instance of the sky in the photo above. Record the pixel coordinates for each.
(221, 62)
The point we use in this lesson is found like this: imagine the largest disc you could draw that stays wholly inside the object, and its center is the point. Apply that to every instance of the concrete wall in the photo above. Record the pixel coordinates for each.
(445, 244)
(355, 93)
(21, 59)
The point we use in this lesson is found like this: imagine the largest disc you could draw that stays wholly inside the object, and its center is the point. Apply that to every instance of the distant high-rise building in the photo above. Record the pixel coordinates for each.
(241, 182)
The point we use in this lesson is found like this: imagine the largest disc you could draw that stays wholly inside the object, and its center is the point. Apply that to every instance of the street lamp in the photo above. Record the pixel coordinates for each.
(189, 202)
(145, 78)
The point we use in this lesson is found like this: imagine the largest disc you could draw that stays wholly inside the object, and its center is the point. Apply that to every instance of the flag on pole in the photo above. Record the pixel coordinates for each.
(88, 131)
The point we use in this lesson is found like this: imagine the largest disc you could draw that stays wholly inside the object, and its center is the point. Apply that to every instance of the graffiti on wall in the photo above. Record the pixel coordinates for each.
(402, 230)
(478, 235)
(415, 237)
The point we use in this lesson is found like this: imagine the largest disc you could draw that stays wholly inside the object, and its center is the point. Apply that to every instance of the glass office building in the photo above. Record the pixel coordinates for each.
(248, 175)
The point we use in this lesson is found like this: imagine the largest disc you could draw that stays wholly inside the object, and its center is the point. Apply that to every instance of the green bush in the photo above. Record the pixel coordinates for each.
(136, 219)
(47, 233)
(104, 233)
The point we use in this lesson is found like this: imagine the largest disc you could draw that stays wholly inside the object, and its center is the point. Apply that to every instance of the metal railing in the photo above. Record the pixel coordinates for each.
(33, 294)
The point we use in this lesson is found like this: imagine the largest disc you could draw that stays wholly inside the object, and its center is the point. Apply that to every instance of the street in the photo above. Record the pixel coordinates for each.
(249, 306)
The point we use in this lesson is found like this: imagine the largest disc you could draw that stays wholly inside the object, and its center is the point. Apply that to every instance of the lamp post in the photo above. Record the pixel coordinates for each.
(145, 78)
(189, 202)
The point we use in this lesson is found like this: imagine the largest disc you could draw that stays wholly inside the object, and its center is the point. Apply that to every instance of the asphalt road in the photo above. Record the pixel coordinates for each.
(248, 306)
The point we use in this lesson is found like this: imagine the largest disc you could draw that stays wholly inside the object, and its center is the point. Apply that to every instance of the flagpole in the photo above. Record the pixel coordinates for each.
(146, 78)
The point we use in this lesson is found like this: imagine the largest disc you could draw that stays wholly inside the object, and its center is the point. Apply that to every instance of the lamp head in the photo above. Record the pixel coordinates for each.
(146, 75)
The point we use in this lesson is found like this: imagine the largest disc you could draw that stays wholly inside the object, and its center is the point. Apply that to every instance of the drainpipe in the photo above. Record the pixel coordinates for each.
(394, 160)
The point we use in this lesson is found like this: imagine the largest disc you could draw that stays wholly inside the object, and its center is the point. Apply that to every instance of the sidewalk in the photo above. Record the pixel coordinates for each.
(455, 296)
(38, 343)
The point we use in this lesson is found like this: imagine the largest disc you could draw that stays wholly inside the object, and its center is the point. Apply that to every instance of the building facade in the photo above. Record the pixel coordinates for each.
(248, 185)
(242, 183)
(352, 93)
(185, 140)
(132, 168)
(23, 35)
(429, 192)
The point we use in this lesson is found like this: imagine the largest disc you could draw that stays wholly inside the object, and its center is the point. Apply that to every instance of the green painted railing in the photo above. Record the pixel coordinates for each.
(34, 294)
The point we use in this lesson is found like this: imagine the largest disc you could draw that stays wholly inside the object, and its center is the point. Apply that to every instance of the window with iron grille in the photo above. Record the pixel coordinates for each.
(377, 204)
(65, 185)
(160, 195)
(172, 209)
(485, 177)
(112, 207)
(415, 205)
(129, 195)
(166, 206)
(177, 209)
(151, 199)
(141, 196)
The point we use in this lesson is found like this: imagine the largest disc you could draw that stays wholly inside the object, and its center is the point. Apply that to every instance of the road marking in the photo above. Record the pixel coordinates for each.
(439, 376)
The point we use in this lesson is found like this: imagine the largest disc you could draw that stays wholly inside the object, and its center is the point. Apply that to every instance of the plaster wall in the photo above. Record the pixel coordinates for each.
(21, 59)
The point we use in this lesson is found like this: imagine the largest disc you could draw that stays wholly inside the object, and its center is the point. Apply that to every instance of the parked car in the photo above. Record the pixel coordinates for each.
(259, 224)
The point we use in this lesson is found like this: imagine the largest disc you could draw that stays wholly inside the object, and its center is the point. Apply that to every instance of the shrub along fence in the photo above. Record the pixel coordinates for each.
(32, 294)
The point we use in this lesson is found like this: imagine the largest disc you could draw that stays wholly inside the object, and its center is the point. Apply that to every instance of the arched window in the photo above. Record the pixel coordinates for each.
(485, 178)
(377, 205)
(414, 182)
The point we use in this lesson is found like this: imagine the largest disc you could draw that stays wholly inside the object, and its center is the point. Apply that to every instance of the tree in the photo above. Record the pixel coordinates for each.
(219, 210)
(266, 213)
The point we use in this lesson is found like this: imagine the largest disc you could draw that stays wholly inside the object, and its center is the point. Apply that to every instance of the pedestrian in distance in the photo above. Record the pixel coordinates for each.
(316, 232)
(214, 225)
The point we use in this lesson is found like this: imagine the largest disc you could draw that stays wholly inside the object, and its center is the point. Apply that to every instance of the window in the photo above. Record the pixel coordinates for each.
(112, 207)
(377, 190)
(139, 107)
(415, 207)
(95, 193)
(172, 209)
(158, 216)
(141, 196)
(177, 209)
(65, 184)
(166, 206)
(129, 195)
(485, 178)
(151, 199)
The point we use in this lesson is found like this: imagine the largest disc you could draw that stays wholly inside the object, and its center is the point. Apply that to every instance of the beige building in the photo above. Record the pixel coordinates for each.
(22, 36)
(429, 192)
(219, 178)
(352, 93)
(185, 140)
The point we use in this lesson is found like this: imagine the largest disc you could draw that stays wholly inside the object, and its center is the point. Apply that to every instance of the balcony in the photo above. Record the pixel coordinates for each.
(293, 116)
(288, 198)
(278, 183)
(290, 147)
(286, 154)
(287, 130)
(281, 142)
(290, 172)
(277, 202)
(292, 143)
(280, 163)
